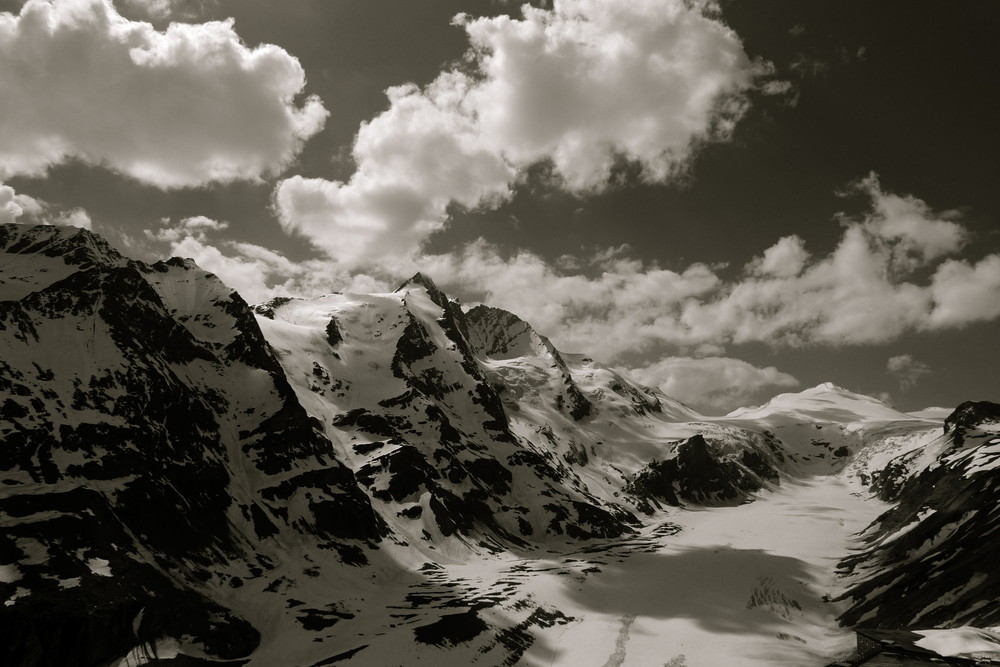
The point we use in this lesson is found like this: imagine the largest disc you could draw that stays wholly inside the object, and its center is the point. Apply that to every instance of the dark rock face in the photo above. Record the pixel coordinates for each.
(499, 334)
(930, 560)
(266, 309)
(970, 415)
(700, 474)
(451, 629)
(127, 446)
(96, 619)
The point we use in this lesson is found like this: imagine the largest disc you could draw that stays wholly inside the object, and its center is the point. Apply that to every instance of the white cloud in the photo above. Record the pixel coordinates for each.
(590, 81)
(915, 235)
(182, 107)
(846, 297)
(784, 259)
(76, 217)
(965, 293)
(626, 308)
(22, 208)
(582, 85)
(257, 273)
(713, 383)
(413, 161)
(776, 87)
(860, 293)
(906, 369)
(196, 226)
(167, 9)
(13, 205)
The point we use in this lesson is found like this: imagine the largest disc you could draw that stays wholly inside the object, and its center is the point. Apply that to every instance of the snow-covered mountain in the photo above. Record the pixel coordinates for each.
(930, 560)
(400, 392)
(828, 426)
(154, 456)
(357, 477)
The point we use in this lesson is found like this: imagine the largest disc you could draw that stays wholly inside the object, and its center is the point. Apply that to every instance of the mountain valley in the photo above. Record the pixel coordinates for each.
(396, 479)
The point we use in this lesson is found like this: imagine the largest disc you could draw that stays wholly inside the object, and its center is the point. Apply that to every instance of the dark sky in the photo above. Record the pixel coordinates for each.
(830, 93)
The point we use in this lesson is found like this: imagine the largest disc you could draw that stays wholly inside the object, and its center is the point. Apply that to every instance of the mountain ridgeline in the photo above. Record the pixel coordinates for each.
(182, 472)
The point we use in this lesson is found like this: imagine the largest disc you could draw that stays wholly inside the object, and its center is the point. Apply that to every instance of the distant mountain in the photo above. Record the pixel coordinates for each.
(825, 402)
(933, 413)
(184, 474)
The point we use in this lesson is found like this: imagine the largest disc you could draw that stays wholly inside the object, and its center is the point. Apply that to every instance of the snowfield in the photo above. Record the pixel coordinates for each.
(744, 585)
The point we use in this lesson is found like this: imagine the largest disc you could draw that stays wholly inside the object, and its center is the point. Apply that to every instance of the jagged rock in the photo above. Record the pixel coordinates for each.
(970, 415)
(697, 474)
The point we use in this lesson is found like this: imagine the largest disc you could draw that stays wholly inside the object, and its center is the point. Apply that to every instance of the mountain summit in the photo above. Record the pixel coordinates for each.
(826, 402)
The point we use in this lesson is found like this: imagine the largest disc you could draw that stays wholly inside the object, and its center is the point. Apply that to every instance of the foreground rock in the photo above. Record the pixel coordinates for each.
(930, 560)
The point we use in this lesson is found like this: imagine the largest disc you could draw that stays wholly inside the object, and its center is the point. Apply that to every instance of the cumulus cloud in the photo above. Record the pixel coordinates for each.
(413, 161)
(590, 81)
(181, 107)
(626, 307)
(713, 383)
(864, 291)
(13, 205)
(965, 293)
(907, 370)
(256, 272)
(195, 226)
(16, 207)
(784, 259)
(914, 234)
(76, 217)
(580, 86)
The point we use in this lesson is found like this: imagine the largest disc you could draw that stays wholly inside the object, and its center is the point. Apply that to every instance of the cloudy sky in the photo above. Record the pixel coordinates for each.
(731, 200)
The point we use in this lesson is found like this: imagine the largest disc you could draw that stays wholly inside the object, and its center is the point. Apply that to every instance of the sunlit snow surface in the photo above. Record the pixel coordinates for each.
(739, 585)
(965, 642)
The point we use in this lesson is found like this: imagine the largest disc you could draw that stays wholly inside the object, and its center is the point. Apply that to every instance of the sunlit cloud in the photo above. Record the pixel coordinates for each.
(581, 87)
(175, 108)
(19, 208)
(713, 384)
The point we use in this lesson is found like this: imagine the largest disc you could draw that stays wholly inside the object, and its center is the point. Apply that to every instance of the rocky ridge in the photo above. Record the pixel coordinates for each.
(929, 561)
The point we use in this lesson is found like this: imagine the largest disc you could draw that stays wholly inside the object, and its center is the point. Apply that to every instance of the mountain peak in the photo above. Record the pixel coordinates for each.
(419, 279)
(826, 402)
(36, 256)
(74, 245)
(498, 333)
(972, 414)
